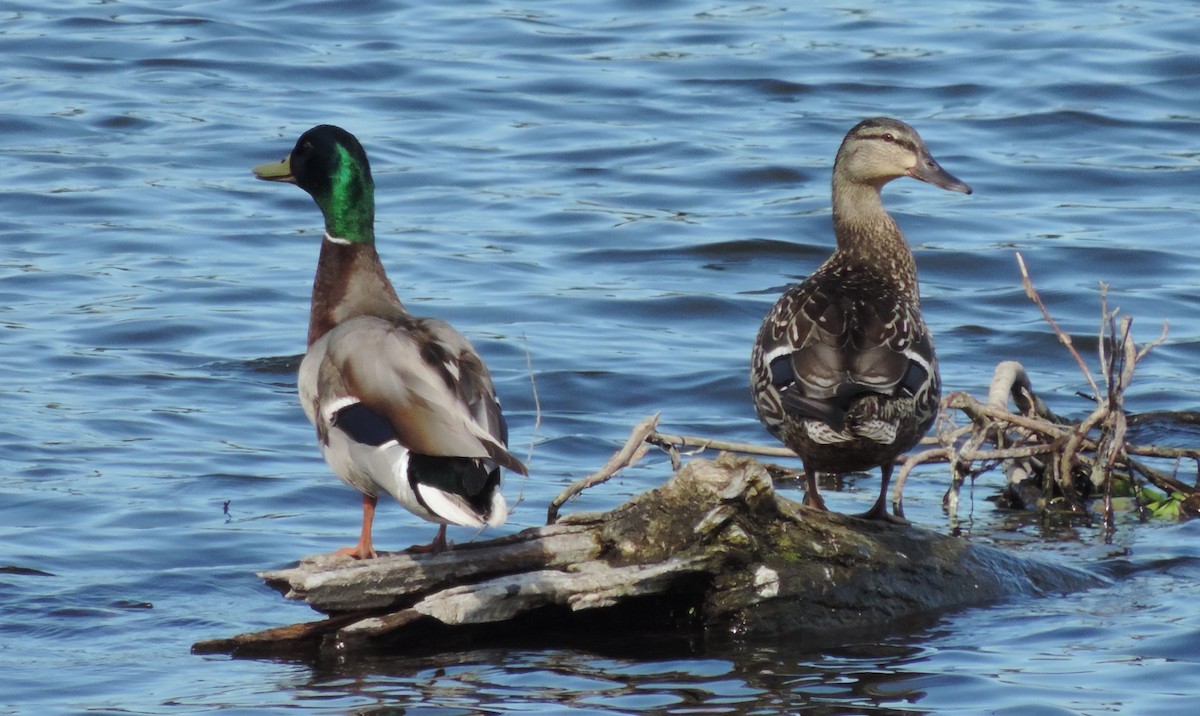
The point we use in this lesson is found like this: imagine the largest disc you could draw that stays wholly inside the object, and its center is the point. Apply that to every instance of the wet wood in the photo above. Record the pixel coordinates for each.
(715, 548)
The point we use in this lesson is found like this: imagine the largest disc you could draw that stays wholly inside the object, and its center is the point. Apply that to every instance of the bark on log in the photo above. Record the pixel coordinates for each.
(713, 548)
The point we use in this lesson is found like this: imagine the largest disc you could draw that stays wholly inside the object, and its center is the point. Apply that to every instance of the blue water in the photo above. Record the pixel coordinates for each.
(612, 193)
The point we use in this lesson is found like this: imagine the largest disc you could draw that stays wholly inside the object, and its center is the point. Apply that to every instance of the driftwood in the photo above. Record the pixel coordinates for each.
(715, 548)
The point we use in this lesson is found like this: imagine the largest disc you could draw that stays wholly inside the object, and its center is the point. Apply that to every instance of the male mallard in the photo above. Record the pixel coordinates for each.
(843, 369)
(401, 404)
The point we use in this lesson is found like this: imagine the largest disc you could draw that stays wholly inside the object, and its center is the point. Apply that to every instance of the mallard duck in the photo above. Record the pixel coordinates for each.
(402, 405)
(843, 370)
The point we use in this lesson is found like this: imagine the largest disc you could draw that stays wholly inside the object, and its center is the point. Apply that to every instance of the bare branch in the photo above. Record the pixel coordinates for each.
(1162, 337)
(665, 440)
(537, 421)
(633, 450)
(1063, 337)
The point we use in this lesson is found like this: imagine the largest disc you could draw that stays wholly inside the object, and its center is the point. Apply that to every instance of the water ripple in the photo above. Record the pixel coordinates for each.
(612, 194)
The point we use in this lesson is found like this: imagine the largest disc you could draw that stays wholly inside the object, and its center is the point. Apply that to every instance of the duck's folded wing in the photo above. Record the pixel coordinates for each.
(891, 350)
(417, 387)
(453, 356)
(836, 349)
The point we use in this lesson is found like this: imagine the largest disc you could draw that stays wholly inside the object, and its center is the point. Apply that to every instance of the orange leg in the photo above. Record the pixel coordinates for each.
(364, 549)
(439, 544)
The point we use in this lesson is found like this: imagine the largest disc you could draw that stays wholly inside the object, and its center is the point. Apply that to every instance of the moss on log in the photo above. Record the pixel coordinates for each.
(713, 548)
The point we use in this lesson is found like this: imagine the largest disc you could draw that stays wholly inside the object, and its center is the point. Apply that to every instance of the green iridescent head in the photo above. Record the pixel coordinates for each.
(330, 164)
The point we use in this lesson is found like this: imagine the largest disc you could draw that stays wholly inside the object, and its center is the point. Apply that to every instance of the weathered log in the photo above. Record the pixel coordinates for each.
(715, 548)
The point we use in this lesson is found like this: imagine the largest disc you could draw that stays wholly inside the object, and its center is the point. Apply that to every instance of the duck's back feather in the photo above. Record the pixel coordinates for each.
(437, 400)
(406, 406)
(834, 339)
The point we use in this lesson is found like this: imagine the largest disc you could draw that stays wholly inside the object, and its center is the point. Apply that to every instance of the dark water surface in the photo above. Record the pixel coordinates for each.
(615, 192)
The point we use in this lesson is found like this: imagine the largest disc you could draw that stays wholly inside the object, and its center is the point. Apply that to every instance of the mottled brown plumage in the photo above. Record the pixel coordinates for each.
(843, 370)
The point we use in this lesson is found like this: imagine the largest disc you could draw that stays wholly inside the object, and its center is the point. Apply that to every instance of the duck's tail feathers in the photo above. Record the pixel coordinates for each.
(455, 510)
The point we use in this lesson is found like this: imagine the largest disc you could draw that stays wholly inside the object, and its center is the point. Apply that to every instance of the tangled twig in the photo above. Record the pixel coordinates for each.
(635, 449)
(1082, 462)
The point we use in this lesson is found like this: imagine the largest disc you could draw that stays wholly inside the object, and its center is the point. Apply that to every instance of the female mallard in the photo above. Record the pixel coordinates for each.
(401, 404)
(843, 369)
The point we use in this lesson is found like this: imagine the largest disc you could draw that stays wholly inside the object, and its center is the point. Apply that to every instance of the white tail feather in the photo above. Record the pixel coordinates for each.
(499, 512)
(449, 508)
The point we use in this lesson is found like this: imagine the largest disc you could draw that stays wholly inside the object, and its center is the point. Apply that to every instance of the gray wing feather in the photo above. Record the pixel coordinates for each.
(424, 377)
